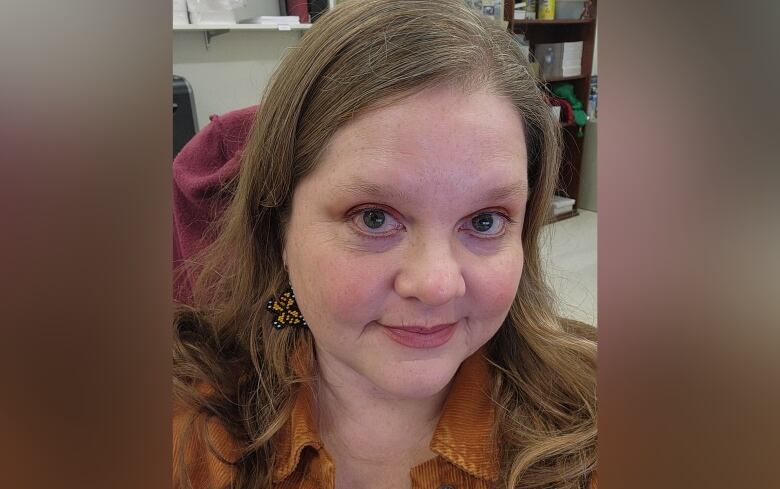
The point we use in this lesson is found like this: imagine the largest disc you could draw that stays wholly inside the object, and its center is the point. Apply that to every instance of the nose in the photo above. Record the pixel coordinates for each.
(430, 273)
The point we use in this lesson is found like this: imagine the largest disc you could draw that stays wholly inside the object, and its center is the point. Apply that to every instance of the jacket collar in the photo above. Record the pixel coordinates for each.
(464, 435)
(299, 432)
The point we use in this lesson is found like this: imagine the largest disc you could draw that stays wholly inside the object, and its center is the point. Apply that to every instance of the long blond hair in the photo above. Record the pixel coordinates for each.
(360, 56)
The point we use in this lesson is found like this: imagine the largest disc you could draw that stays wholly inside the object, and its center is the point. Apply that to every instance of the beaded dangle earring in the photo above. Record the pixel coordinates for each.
(286, 311)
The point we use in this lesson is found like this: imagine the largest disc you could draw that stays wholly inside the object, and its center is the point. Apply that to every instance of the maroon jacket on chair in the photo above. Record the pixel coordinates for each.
(202, 167)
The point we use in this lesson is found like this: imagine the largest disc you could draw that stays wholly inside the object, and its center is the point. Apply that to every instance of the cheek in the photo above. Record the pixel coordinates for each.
(339, 287)
(348, 294)
(494, 285)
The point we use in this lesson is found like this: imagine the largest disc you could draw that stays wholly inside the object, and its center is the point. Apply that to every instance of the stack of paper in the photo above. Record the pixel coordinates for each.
(571, 64)
(272, 20)
(561, 205)
(180, 12)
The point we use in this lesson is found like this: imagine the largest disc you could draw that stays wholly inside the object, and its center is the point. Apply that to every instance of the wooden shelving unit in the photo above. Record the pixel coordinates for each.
(567, 215)
(563, 78)
(520, 22)
(538, 31)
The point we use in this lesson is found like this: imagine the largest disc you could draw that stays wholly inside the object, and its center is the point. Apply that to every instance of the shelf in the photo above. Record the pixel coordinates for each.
(210, 31)
(563, 78)
(240, 27)
(543, 31)
(552, 22)
(561, 217)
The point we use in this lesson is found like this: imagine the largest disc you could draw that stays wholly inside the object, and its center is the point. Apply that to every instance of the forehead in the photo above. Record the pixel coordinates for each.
(438, 140)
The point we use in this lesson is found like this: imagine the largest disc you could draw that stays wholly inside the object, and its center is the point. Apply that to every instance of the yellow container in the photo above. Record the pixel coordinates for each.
(546, 9)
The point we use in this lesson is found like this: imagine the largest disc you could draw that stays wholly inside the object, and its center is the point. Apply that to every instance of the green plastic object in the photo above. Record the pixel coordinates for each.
(566, 92)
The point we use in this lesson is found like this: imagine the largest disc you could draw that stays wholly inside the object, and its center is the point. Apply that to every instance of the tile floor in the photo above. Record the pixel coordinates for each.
(569, 253)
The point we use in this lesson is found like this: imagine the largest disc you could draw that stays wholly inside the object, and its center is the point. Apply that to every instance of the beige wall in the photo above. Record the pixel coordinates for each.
(235, 69)
(587, 198)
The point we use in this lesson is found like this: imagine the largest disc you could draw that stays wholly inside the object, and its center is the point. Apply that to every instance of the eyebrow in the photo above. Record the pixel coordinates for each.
(361, 188)
(517, 190)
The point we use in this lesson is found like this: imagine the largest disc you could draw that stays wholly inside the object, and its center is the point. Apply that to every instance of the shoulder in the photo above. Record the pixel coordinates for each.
(216, 147)
(203, 451)
(233, 129)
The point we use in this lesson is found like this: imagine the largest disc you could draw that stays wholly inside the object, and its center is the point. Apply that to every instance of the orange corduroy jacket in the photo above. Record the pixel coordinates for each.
(467, 453)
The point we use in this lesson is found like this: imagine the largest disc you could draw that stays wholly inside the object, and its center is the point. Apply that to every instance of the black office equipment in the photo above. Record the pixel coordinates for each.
(317, 8)
(185, 119)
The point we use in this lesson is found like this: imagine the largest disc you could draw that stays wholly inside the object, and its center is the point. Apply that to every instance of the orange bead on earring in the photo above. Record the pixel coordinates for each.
(286, 311)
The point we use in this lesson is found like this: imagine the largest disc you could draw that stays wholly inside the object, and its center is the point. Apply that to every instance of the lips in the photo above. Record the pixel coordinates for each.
(420, 336)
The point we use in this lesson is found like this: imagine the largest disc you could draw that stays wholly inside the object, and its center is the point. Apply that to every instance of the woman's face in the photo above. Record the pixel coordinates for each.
(404, 244)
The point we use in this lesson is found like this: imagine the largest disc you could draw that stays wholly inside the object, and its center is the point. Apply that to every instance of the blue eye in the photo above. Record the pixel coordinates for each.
(374, 218)
(489, 224)
(375, 222)
(482, 222)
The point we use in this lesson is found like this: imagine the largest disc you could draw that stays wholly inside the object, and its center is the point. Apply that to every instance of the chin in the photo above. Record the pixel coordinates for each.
(417, 379)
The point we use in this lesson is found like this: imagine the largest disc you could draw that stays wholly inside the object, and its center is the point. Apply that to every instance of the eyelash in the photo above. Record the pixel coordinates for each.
(352, 215)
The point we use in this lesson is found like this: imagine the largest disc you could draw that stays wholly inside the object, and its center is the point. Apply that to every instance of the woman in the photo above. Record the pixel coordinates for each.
(373, 312)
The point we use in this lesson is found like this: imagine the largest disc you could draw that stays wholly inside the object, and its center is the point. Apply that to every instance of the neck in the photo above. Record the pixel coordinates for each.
(367, 430)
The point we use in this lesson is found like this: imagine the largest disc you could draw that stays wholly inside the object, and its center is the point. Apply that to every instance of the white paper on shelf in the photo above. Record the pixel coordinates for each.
(272, 20)
(180, 12)
(558, 212)
(572, 50)
(180, 18)
(215, 5)
(206, 18)
(284, 27)
(214, 11)
(560, 202)
(571, 59)
(281, 19)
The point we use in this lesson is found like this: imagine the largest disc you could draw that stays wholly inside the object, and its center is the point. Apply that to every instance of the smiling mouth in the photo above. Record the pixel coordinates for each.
(420, 336)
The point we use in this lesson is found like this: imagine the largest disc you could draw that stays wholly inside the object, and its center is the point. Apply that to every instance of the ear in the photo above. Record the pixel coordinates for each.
(284, 258)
